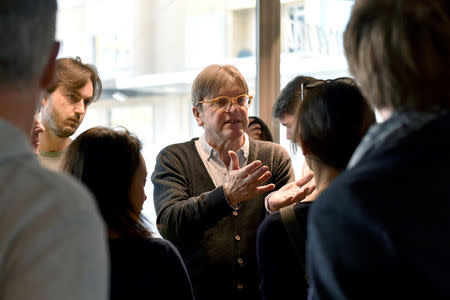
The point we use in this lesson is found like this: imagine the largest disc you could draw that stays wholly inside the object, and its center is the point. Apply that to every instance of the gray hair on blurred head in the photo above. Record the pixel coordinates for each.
(27, 35)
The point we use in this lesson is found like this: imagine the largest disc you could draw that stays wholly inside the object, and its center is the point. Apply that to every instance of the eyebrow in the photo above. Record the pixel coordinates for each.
(76, 93)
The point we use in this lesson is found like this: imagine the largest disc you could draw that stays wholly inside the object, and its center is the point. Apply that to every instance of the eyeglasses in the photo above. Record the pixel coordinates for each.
(224, 103)
(313, 84)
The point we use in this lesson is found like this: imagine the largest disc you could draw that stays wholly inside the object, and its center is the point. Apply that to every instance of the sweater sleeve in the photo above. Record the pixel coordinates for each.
(181, 215)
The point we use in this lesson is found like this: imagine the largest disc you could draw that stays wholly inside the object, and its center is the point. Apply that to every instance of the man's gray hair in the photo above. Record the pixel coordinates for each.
(27, 32)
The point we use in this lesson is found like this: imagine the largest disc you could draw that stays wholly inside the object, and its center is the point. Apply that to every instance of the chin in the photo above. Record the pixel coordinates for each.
(235, 134)
(66, 133)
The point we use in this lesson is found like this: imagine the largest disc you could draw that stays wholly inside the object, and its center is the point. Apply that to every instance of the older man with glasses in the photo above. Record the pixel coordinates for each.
(209, 192)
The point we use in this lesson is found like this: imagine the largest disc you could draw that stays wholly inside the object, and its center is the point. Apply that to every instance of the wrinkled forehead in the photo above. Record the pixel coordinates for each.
(226, 85)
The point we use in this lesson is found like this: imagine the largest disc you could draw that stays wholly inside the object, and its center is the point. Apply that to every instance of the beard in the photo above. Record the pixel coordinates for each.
(60, 131)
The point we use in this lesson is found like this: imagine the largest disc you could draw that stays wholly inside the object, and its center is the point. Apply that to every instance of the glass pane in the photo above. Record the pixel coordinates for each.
(311, 45)
(148, 52)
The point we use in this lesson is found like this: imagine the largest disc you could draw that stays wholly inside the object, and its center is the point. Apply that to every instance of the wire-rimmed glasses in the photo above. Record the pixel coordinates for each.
(224, 102)
(318, 82)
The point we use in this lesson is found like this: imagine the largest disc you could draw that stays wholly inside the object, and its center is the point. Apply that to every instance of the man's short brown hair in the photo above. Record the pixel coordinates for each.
(73, 75)
(399, 52)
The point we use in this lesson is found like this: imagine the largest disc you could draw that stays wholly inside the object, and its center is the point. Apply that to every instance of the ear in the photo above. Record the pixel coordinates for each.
(44, 100)
(197, 116)
(48, 76)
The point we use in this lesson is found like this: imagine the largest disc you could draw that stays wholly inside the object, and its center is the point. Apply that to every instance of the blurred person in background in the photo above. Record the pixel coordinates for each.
(64, 106)
(257, 129)
(52, 239)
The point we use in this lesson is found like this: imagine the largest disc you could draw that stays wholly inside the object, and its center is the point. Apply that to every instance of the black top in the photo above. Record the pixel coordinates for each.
(282, 277)
(381, 229)
(147, 269)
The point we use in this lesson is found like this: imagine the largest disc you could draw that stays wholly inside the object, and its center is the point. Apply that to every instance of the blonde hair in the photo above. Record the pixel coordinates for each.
(215, 78)
(399, 52)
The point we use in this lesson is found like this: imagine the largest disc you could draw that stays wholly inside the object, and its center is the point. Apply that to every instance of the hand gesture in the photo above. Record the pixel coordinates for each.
(290, 193)
(243, 184)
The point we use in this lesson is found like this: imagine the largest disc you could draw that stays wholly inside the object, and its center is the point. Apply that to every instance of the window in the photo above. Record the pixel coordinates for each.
(311, 45)
(148, 52)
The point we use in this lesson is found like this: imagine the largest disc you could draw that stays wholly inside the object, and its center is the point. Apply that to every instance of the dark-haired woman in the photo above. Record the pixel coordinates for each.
(110, 164)
(330, 123)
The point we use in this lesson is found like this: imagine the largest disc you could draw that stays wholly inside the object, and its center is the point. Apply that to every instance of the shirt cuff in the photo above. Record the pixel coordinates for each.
(266, 203)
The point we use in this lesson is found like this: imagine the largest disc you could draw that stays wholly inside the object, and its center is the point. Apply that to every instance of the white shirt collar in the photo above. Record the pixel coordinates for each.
(210, 153)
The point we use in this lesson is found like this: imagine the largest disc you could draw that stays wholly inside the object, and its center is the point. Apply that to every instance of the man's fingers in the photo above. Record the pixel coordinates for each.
(311, 189)
(301, 195)
(234, 163)
(304, 180)
(263, 177)
(265, 188)
(250, 168)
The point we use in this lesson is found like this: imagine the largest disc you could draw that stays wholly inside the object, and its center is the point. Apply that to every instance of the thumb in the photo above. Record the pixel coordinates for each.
(234, 163)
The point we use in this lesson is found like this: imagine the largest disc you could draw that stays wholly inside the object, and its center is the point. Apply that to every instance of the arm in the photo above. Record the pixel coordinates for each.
(349, 255)
(180, 214)
(281, 277)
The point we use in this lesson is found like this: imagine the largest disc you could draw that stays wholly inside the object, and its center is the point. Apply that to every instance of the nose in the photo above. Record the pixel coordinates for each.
(80, 108)
(232, 106)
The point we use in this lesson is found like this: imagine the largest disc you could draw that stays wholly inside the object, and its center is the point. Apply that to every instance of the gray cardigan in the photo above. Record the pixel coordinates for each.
(218, 244)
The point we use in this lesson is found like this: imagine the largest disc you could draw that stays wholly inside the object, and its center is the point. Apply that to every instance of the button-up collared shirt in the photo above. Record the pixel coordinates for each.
(216, 168)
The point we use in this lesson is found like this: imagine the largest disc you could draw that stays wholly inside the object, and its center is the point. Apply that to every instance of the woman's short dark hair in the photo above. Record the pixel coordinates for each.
(289, 97)
(331, 121)
(106, 160)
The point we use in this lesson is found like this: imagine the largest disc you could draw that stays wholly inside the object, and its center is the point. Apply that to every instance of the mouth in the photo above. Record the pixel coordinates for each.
(233, 121)
(73, 123)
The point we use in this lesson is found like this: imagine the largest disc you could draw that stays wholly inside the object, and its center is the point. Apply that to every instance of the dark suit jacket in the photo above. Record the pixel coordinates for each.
(218, 244)
(381, 230)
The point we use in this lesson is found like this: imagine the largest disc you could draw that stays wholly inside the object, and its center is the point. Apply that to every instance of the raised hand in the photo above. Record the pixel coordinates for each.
(243, 184)
(290, 193)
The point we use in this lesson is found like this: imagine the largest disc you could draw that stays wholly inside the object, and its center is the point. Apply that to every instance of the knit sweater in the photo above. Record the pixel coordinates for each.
(217, 243)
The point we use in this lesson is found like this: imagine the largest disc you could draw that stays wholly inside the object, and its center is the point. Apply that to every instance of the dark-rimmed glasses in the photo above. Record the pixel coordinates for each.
(318, 82)
(224, 103)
